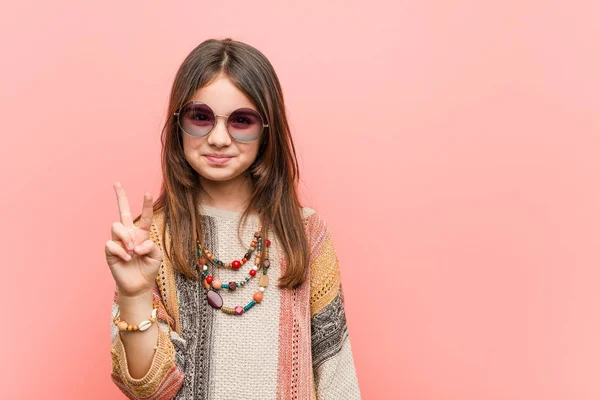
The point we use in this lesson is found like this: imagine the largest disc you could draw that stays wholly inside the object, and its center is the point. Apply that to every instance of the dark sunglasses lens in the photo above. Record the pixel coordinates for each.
(197, 119)
(245, 125)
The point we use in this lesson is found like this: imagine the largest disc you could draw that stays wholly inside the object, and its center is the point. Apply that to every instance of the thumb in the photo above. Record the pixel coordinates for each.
(148, 248)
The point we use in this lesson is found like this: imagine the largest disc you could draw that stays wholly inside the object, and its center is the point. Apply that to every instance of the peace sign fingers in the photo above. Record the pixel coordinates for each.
(133, 257)
(124, 210)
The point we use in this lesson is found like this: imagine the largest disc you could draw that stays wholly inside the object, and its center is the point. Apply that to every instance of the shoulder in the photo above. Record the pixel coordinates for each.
(314, 223)
(310, 215)
(324, 267)
(316, 229)
(307, 212)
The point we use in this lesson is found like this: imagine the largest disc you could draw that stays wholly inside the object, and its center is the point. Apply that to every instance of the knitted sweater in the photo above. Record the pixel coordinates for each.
(292, 345)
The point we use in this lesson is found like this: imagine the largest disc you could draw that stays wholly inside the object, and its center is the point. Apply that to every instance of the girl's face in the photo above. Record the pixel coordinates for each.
(223, 97)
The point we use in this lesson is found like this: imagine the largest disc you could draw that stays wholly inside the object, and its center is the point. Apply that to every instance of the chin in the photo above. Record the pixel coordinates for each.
(218, 175)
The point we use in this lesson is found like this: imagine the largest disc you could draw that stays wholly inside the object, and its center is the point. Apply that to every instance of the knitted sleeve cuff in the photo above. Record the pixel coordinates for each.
(163, 379)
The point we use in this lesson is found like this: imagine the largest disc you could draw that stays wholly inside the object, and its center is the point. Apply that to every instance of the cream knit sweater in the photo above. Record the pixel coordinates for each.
(292, 345)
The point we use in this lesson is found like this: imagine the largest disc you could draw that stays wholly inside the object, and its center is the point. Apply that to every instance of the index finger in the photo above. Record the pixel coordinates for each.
(124, 211)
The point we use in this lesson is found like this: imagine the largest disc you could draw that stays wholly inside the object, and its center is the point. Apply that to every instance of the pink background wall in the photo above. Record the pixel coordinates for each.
(455, 142)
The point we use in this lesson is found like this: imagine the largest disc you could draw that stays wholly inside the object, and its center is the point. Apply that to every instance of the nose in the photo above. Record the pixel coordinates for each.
(219, 136)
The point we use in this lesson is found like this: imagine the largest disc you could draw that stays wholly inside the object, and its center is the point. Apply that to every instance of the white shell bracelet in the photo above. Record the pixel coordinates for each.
(142, 326)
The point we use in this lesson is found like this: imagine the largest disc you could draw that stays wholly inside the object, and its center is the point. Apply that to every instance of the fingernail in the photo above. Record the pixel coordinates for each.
(128, 257)
(131, 245)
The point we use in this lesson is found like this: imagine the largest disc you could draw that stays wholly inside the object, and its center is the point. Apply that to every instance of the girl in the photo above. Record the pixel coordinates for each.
(226, 287)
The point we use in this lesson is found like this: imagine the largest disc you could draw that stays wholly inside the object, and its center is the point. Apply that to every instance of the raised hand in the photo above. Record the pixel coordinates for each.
(134, 259)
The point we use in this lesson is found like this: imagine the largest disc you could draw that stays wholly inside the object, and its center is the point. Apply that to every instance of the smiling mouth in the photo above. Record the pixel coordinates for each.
(218, 160)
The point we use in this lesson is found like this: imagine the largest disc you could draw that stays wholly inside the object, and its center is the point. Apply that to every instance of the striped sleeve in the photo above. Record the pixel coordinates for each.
(165, 376)
(332, 359)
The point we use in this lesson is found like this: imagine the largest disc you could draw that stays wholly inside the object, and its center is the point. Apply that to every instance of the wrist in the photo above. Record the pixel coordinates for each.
(125, 323)
(143, 297)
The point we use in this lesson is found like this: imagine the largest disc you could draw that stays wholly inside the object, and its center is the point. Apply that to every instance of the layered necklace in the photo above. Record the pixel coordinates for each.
(214, 285)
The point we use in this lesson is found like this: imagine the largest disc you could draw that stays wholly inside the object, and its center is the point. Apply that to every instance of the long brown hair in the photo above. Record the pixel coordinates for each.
(274, 173)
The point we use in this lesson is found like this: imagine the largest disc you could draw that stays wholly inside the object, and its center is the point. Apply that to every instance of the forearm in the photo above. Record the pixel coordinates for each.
(139, 345)
(140, 371)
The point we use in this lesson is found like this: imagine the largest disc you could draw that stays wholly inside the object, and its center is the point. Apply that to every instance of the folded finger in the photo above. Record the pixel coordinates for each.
(120, 232)
(149, 248)
(112, 248)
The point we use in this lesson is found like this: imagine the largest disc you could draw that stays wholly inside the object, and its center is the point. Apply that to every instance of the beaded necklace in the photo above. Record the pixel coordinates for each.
(213, 285)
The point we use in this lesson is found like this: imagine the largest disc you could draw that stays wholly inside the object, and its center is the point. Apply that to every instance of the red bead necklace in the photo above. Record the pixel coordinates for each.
(212, 284)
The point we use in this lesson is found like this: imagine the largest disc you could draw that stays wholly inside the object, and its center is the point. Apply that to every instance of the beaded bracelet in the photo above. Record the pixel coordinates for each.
(124, 326)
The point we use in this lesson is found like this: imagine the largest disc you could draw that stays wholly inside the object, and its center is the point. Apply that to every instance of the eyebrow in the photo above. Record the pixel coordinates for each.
(235, 109)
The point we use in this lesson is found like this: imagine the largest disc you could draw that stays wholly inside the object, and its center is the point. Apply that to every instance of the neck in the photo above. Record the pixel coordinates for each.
(232, 195)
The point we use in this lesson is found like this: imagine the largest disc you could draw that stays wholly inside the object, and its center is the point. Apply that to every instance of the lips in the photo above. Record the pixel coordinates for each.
(218, 156)
(217, 159)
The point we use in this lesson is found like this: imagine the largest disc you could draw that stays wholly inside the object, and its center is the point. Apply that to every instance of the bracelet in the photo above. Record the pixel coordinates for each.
(142, 326)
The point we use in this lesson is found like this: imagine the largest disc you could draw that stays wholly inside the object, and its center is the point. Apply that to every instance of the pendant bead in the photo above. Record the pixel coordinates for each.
(214, 299)
(264, 281)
